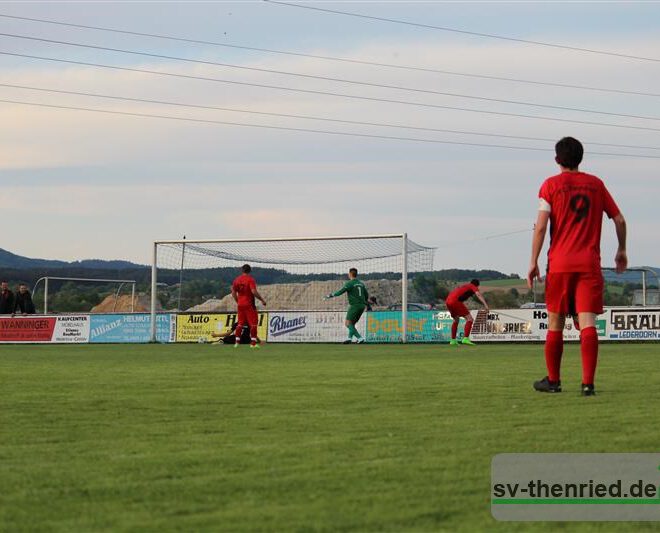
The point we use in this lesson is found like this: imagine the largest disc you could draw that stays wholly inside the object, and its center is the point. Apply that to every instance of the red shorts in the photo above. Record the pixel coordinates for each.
(457, 308)
(568, 293)
(247, 314)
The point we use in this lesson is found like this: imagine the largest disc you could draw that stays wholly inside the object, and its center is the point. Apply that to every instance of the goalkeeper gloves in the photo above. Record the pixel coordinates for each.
(327, 296)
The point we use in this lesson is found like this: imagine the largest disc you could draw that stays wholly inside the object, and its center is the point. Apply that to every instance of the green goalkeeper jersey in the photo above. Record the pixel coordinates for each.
(357, 293)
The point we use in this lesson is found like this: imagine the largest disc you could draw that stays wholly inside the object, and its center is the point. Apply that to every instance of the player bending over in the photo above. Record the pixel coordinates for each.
(244, 291)
(357, 303)
(574, 202)
(459, 310)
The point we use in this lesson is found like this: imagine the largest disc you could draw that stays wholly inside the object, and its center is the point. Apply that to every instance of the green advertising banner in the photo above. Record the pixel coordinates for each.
(423, 326)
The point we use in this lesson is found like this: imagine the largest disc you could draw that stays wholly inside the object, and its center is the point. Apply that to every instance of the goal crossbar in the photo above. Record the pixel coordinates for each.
(281, 239)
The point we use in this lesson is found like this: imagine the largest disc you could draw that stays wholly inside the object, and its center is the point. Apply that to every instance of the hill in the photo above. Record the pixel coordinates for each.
(15, 267)
(9, 260)
(633, 276)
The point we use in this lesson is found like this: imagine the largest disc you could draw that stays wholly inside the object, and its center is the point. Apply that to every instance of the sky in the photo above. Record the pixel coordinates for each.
(78, 184)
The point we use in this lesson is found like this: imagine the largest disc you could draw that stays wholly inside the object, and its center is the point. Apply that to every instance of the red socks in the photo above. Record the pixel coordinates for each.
(589, 348)
(468, 328)
(454, 329)
(554, 347)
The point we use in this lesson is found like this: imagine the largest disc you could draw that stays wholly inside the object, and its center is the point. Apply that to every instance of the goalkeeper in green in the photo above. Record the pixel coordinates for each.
(357, 303)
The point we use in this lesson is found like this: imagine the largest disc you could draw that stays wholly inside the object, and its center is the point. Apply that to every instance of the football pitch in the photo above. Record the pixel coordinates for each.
(298, 437)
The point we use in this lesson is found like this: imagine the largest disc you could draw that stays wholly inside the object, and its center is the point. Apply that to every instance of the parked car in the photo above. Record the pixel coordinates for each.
(533, 305)
(411, 307)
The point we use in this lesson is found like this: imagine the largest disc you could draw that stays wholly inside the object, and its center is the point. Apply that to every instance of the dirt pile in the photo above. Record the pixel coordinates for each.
(309, 296)
(123, 304)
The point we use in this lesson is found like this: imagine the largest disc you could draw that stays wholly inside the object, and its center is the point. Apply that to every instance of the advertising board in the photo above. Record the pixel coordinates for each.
(510, 325)
(641, 323)
(309, 326)
(59, 329)
(423, 326)
(197, 327)
(131, 327)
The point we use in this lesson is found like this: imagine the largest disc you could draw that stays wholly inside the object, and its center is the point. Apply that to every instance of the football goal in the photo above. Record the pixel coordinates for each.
(293, 274)
(54, 286)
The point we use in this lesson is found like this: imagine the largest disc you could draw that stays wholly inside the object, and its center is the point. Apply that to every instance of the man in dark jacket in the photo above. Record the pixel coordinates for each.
(6, 299)
(24, 302)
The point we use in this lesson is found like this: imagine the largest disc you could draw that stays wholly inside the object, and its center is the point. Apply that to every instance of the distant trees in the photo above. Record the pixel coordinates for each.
(204, 284)
(194, 292)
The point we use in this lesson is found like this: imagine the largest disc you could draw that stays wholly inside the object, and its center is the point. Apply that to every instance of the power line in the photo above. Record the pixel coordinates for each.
(327, 93)
(307, 117)
(304, 130)
(486, 237)
(326, 78)
(466, 32)
(332, 58)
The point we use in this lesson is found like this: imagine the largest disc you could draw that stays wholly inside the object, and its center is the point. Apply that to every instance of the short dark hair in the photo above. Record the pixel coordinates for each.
(475, 282)
(246, 268)
(569, 152)
(352, 271)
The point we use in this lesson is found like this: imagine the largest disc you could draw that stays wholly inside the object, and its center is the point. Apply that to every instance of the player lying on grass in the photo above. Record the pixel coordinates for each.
(229, 336)
(459, 310)
(574, 203)
(357, 303)
(244, 291)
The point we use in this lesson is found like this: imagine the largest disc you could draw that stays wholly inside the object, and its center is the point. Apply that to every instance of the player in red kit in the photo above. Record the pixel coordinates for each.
(244, 291)
(458, 309)
(574, 203)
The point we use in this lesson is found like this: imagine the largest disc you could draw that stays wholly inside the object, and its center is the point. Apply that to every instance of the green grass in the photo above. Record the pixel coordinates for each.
(296, 438)
(614, 289)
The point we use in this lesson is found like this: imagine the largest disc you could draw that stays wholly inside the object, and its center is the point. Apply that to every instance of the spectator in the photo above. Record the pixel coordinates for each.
(6, 299)
(371, 303)
(24, 303)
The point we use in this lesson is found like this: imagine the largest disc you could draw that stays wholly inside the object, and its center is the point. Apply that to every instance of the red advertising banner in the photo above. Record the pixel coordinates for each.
(27, 329)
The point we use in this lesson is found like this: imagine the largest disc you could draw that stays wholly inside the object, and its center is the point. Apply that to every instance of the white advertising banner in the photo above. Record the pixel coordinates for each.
(71, 328)
(309, 326)
(509, 325)
(633, 323)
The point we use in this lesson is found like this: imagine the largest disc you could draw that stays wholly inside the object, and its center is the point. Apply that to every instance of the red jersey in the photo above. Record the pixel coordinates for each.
(462, 293)
(576, 202)
(243, 285)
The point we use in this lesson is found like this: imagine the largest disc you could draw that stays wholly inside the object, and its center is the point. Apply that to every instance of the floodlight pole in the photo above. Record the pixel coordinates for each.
(46, 296)
(404, 290)
(153, 292)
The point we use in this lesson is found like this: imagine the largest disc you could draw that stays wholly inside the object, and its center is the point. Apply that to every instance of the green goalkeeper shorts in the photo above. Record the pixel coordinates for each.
(354, 313)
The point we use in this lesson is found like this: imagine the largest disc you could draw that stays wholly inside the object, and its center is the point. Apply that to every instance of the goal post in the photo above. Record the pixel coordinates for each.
(293, 274)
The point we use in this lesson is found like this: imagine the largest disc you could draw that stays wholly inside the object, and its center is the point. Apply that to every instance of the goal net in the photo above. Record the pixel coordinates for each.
(292, 274)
